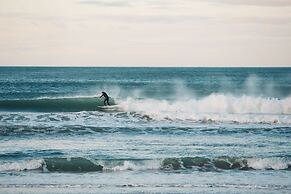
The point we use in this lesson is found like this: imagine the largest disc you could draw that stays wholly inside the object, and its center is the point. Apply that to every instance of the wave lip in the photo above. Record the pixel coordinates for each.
(21, 165)
(69, 104)
(83, 165)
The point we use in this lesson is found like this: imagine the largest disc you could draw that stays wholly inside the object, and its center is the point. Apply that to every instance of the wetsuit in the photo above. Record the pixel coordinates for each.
(106, 98)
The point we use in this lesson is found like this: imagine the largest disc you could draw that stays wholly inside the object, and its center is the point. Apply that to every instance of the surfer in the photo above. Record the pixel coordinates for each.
(106, 98)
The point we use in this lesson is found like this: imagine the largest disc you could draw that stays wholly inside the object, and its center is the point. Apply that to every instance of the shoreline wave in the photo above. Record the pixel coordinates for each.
(83, 165)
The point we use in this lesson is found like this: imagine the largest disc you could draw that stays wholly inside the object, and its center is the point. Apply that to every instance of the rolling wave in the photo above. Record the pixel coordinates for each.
(70, 104)
(210, 109)
(79, 164)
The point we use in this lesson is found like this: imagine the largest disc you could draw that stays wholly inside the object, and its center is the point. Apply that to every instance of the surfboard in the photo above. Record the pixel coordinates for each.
(108, 107)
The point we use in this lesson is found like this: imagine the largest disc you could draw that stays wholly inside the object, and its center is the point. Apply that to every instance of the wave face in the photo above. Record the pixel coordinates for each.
(227, 163)
(70, 104)
(79, 165)
(70, 165)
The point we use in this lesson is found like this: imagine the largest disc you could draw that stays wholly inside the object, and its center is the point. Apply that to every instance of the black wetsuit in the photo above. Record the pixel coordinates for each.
(106, 98)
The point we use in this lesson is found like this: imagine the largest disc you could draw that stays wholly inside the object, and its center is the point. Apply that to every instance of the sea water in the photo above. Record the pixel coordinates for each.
(170, 130)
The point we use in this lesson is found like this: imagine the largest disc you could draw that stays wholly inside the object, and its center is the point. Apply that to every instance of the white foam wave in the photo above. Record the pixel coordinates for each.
(215, 107)
(268, 163)
(131, 165)
(21, 165)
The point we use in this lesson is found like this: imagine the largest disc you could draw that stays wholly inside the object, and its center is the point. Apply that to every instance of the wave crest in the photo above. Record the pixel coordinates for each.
(215, 107)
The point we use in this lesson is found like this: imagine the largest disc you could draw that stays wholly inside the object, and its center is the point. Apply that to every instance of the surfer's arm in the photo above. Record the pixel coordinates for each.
(101, 96)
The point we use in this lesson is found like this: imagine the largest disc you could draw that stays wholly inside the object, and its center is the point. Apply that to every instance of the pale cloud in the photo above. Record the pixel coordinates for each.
(108, 3)
(149, 19)
(278, 3)
(263, 20)
(152, 4)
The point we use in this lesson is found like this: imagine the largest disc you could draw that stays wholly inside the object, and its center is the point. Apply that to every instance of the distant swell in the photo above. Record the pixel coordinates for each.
(79, 165)
(53, 104)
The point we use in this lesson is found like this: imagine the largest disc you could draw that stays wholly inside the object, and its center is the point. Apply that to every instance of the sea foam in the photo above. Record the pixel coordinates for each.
(215, 107)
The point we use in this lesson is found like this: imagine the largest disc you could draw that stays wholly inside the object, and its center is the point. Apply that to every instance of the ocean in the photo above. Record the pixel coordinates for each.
(169, 130)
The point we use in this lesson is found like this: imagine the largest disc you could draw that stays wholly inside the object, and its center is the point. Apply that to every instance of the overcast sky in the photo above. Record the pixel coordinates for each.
(145, 32)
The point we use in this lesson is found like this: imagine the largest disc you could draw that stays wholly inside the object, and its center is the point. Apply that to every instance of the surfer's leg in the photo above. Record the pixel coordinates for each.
(108, 101)
(104, 102)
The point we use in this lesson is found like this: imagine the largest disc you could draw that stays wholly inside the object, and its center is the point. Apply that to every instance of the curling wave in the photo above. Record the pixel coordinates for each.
(79, 165)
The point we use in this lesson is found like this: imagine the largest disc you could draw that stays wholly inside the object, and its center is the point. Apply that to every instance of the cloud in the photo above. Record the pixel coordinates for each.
(277, 3)
(156, 4)
(263, 20)
(14, 15)
(107, 3)
(152, 18)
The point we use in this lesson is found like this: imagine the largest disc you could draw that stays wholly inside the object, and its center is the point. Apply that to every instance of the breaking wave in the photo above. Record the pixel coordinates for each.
(214, 108)
(79, 165)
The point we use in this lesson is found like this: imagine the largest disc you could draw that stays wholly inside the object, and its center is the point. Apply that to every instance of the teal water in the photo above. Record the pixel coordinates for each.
(170, 130)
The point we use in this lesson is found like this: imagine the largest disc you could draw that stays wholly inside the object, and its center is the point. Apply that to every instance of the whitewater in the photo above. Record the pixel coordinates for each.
(169, 130)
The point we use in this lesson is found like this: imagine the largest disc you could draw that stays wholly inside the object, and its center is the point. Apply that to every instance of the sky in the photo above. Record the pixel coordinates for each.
(204, 33)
